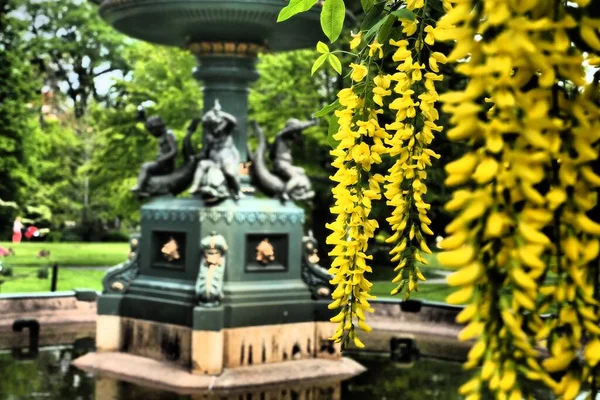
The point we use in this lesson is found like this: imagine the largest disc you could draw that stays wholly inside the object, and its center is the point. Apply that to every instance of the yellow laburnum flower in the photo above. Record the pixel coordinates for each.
(356, 39)
(414, 4)
(381, 89)
(358, 72)
(531, 150)
(349, 99)
(416, 71)
(429, 38)
(376, 48)
(362, 155)
(406, 178)
(409, 27)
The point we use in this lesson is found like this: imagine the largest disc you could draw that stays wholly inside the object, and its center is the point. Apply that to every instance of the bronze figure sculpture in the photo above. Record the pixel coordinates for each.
(160, 177)
(216, 176)
(287, 181)
(167, 153)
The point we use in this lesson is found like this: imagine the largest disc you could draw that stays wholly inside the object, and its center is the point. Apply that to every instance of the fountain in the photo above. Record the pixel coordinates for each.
(222, 290)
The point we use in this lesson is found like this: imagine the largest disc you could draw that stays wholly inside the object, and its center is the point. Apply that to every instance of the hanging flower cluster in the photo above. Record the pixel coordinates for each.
(523, 240)
(413, 130)
(409, 97)
(360, 146)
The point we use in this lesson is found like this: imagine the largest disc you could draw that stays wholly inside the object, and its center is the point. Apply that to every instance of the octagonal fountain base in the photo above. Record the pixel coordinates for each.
(168, 376)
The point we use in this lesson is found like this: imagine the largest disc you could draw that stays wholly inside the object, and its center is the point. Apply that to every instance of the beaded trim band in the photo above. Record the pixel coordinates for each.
(229, 48)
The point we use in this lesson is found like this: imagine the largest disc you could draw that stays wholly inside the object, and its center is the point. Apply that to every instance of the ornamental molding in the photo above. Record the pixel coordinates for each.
(252, 217)
(225, 48)
(292, 217)
(174, 215)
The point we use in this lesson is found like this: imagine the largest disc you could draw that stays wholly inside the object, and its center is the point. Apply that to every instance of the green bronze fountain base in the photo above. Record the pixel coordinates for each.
(265, 313)
(209, 352)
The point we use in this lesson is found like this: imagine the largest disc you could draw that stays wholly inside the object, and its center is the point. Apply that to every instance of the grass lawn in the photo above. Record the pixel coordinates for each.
(432, 270)
(25, 279)
(66, 254)
(383, 274)
(108, 254)
(431, 292)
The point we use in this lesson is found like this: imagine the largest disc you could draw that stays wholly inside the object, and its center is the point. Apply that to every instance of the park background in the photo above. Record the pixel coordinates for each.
(70, 144)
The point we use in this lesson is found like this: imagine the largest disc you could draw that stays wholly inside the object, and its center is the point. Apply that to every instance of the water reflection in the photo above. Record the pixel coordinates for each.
(111, 390)
(47, 376)
(51, 376)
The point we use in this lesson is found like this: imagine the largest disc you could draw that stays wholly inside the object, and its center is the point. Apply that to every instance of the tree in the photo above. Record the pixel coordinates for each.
(161, 80)
(17, 123)
(286, 90)
(72, 47)
(75, 52)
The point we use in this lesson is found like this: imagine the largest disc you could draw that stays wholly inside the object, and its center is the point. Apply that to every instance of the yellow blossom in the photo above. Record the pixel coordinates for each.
(358, 72)
(356, 39)
(381, 89)
(409, 27)
(376, 48)
(429, 38)
(414, 4)
(526, 155)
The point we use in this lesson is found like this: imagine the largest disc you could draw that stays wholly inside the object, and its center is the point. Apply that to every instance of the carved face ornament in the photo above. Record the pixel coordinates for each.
(265, 253)
(213, 257)
(171, 250)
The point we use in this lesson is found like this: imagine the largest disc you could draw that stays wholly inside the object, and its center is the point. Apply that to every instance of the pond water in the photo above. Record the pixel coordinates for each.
(49, 375)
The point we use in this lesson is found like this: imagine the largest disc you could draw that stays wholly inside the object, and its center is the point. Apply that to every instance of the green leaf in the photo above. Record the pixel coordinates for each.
(295, 7)
(367, 4)
(404, 14)
(333, 128)
(335, 63)
(327, 109)
(332, 18)
(375, 28)
(322, 47)
(373, 16)
(436, 5)
(385, 30)
(318, 63)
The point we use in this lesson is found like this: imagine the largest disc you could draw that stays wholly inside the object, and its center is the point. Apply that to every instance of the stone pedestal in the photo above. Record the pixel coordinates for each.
(266, 313)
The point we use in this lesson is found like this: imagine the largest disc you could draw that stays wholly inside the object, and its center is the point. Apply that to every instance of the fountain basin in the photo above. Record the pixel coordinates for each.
(164, 376)
(185, 22)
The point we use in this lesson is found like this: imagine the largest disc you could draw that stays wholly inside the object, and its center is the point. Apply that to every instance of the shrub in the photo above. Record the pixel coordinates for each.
(114, 236)
(42, 273)
(54, 237)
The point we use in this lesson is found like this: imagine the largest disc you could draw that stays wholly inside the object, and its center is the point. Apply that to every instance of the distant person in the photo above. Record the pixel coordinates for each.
(17, 228)
(32, 231)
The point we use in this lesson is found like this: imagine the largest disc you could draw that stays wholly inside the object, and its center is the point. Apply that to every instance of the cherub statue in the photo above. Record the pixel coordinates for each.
(160, 177)
(216, 176)
(165, 162)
